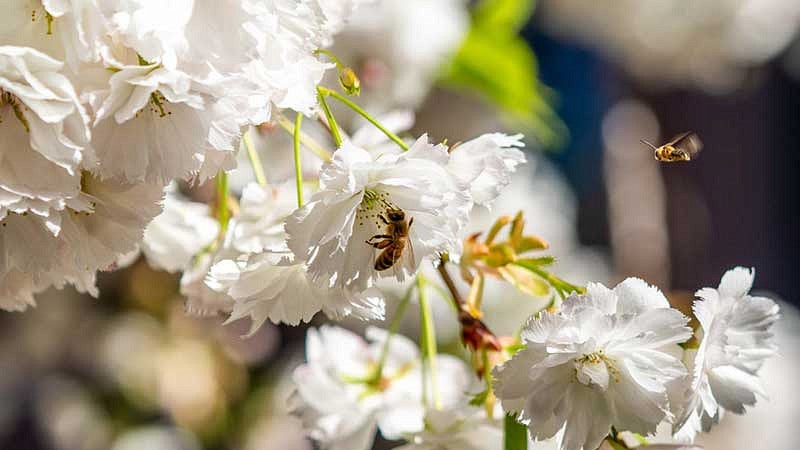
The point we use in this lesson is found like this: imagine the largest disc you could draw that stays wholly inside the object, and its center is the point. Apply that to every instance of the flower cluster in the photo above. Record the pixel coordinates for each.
(102, 104)
(335, 244)
(115, 114)
(609, 358)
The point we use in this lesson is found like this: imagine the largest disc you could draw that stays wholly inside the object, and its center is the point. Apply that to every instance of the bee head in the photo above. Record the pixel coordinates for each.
(396, 215)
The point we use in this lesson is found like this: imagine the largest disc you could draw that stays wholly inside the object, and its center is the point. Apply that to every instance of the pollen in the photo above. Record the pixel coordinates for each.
(157, 104)
(600, 357)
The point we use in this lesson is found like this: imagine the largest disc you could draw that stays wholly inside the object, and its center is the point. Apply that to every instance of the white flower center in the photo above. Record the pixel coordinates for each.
(595, 369)
(158, 105)
(374, 204)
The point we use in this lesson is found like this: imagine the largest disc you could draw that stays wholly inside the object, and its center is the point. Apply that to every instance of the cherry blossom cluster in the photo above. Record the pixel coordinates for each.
(109, 109)
(103, 103)
(617, 364)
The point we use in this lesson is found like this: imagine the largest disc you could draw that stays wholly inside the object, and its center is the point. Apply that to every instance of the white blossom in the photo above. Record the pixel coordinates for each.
(259, 225)
(16, 290)
(485, 164)
(72, 31)
(256, 271)
(44, 134)
(151, 124)
(256, 228)
(201, 300)
(397, 48)
(98, 228)
(270, 286)
(357, 188)
(98, 236)
(603, 360)
(152, 28)
(735, 340)
(179, 233)
(342, 411)
(462, 428)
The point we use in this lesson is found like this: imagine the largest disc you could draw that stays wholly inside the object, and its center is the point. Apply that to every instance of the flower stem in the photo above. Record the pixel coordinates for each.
(223, 213)
(563, 288)
(459, 302)
(255, 161)
(364, 114)
(330, 55)
(393, 326)
(321, 93)
(515, 436)
(298, 169)
(309, 142)
(428, 340)
(487, 376)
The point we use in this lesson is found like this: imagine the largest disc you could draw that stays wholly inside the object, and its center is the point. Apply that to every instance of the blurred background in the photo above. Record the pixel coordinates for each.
(585, 81)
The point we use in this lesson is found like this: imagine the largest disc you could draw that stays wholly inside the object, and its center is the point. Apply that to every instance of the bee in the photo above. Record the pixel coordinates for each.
(683, 147)
(394, 241)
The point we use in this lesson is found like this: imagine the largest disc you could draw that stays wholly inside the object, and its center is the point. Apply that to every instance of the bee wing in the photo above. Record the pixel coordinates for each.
(411, 259)
(689, 142)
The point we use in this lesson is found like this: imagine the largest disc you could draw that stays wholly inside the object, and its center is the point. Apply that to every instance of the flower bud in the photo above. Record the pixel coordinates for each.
(349, 81)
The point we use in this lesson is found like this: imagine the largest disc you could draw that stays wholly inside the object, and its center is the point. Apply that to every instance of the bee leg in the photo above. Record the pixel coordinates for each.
(383, 219)
(410, 222)
(377, 236)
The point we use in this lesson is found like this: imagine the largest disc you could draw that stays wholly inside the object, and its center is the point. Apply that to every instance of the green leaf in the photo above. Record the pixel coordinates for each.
(497, 63)
(540, 261)
(515, 436)
(510, 15)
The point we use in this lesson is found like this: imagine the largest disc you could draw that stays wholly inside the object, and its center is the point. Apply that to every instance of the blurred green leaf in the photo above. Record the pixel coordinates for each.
(524, 280)
(499, 64)
(507, 14)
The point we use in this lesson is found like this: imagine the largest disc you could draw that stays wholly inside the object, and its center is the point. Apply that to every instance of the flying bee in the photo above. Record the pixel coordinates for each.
(394, 241)
(683, 147)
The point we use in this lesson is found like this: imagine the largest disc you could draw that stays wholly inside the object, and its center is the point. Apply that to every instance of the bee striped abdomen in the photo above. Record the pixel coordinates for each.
(390, 255)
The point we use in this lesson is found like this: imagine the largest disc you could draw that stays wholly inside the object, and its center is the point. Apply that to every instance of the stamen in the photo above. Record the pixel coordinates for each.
(599, 357)
(158, 100)
(9, 99)
(49, 19)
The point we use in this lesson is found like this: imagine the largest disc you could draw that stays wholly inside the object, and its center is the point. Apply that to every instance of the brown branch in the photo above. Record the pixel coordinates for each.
(451, 286)
(474, 333)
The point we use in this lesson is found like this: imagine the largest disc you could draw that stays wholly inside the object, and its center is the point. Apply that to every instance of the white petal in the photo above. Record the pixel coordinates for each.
(736, 282)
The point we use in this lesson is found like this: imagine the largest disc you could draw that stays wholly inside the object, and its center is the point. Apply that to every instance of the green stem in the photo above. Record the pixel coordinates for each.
(561, 286)
(428, 340)
(515, 436)
(255, 160)
(309, 142)
(364, 114)
(330, 55)
(393, 327)
(487, 376)
(321, 93)
(298, 169)
(223, 213)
